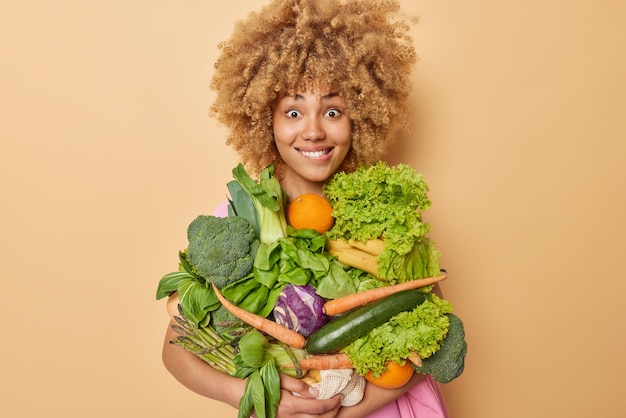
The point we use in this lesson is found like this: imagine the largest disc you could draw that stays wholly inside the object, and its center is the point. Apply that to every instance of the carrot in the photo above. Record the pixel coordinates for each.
(345, 303)
(415, 359)
(280, 332)
(324, 362)
(338, 361)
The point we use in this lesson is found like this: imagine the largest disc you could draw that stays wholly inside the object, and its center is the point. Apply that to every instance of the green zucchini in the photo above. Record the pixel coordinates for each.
(339, 332)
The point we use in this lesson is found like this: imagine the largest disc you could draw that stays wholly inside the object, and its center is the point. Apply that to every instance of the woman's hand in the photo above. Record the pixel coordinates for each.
(303, 403)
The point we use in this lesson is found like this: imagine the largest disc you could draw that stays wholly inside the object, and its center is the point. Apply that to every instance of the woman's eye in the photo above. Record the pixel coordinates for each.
(293, 113)
(333, 113)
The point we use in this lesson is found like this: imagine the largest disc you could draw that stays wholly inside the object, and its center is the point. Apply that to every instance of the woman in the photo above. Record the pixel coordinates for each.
(313, 87)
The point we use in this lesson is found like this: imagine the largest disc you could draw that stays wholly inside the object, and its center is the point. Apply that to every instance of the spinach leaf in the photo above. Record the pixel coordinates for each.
(247, 401)
(258, 394)
(271, 383)
(252, 347)
(197, 300)
(170, 282)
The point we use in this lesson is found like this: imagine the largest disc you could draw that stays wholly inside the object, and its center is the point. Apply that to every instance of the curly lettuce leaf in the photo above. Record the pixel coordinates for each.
(385, 202)
(421, 330)
(379, 201)
(422, 261)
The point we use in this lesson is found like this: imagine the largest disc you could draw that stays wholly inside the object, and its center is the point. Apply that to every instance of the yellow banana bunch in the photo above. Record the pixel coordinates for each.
(357, 254)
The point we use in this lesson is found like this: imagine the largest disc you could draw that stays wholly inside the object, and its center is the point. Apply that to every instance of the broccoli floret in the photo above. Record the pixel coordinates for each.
(449, 361)
(227, 325)
(221, 249)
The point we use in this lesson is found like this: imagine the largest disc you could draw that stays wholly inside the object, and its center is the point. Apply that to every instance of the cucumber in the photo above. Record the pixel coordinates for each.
(339, 332)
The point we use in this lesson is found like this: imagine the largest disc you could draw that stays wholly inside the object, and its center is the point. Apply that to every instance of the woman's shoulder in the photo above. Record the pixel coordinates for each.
(221, 211)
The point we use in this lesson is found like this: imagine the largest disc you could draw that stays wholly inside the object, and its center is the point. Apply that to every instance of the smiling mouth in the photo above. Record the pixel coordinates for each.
(316, 154)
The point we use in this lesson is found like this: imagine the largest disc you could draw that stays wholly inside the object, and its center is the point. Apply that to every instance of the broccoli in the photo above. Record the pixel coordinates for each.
(449, 361)
(221, 249)
(227, 325)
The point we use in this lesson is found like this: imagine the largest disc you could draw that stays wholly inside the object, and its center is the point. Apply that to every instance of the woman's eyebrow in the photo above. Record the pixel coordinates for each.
(329, 96)
(324, 97)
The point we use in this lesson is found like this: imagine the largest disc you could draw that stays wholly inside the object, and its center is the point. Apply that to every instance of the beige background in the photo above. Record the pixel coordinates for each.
(108, 153)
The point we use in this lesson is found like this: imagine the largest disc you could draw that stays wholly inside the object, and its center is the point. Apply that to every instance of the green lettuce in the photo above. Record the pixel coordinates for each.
(421, 330)
(382, 201)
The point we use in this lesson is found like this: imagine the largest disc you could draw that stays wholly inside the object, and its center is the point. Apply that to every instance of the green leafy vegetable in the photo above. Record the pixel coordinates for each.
(261, 203)
(246, 403)
(259, 361)
(271, 380)
(267, 197)
(365, 281)
(170, 282)
(251, 346)
(285, 255)
(240, 204)
(196, 298)
(381, 201)
(253, 397)
(197, 301)
(299, 259)
(421, 330)
(219, 249)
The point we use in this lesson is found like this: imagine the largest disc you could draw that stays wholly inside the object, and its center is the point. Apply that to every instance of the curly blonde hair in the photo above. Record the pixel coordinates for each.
(362, 48)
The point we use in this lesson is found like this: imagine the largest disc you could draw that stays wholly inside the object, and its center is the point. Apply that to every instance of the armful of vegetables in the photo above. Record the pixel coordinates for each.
(379, 229)
(221, 253)
(415, 322)
(300, 304)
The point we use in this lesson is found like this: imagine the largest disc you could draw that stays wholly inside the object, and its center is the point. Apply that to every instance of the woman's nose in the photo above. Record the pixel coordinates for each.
(313, 130)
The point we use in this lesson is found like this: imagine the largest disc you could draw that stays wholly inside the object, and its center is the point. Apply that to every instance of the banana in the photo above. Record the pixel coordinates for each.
(371, 246)
(356, 258)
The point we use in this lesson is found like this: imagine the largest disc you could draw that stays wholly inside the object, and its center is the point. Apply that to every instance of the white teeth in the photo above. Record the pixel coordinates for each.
(313, 154)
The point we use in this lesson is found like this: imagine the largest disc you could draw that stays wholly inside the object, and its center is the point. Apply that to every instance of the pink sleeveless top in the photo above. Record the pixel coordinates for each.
(424, 400)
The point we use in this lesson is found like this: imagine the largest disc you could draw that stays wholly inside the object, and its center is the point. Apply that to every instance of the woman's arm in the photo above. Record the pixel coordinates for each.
(200, 377)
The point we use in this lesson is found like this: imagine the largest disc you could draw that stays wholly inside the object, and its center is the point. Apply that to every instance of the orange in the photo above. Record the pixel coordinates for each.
(311, 211)
(395, 376)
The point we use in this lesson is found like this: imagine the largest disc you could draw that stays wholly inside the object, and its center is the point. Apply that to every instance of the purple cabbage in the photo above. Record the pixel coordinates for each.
(299, 308)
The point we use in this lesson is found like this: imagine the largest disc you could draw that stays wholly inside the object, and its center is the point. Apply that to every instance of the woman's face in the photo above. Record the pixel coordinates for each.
(313, 134)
